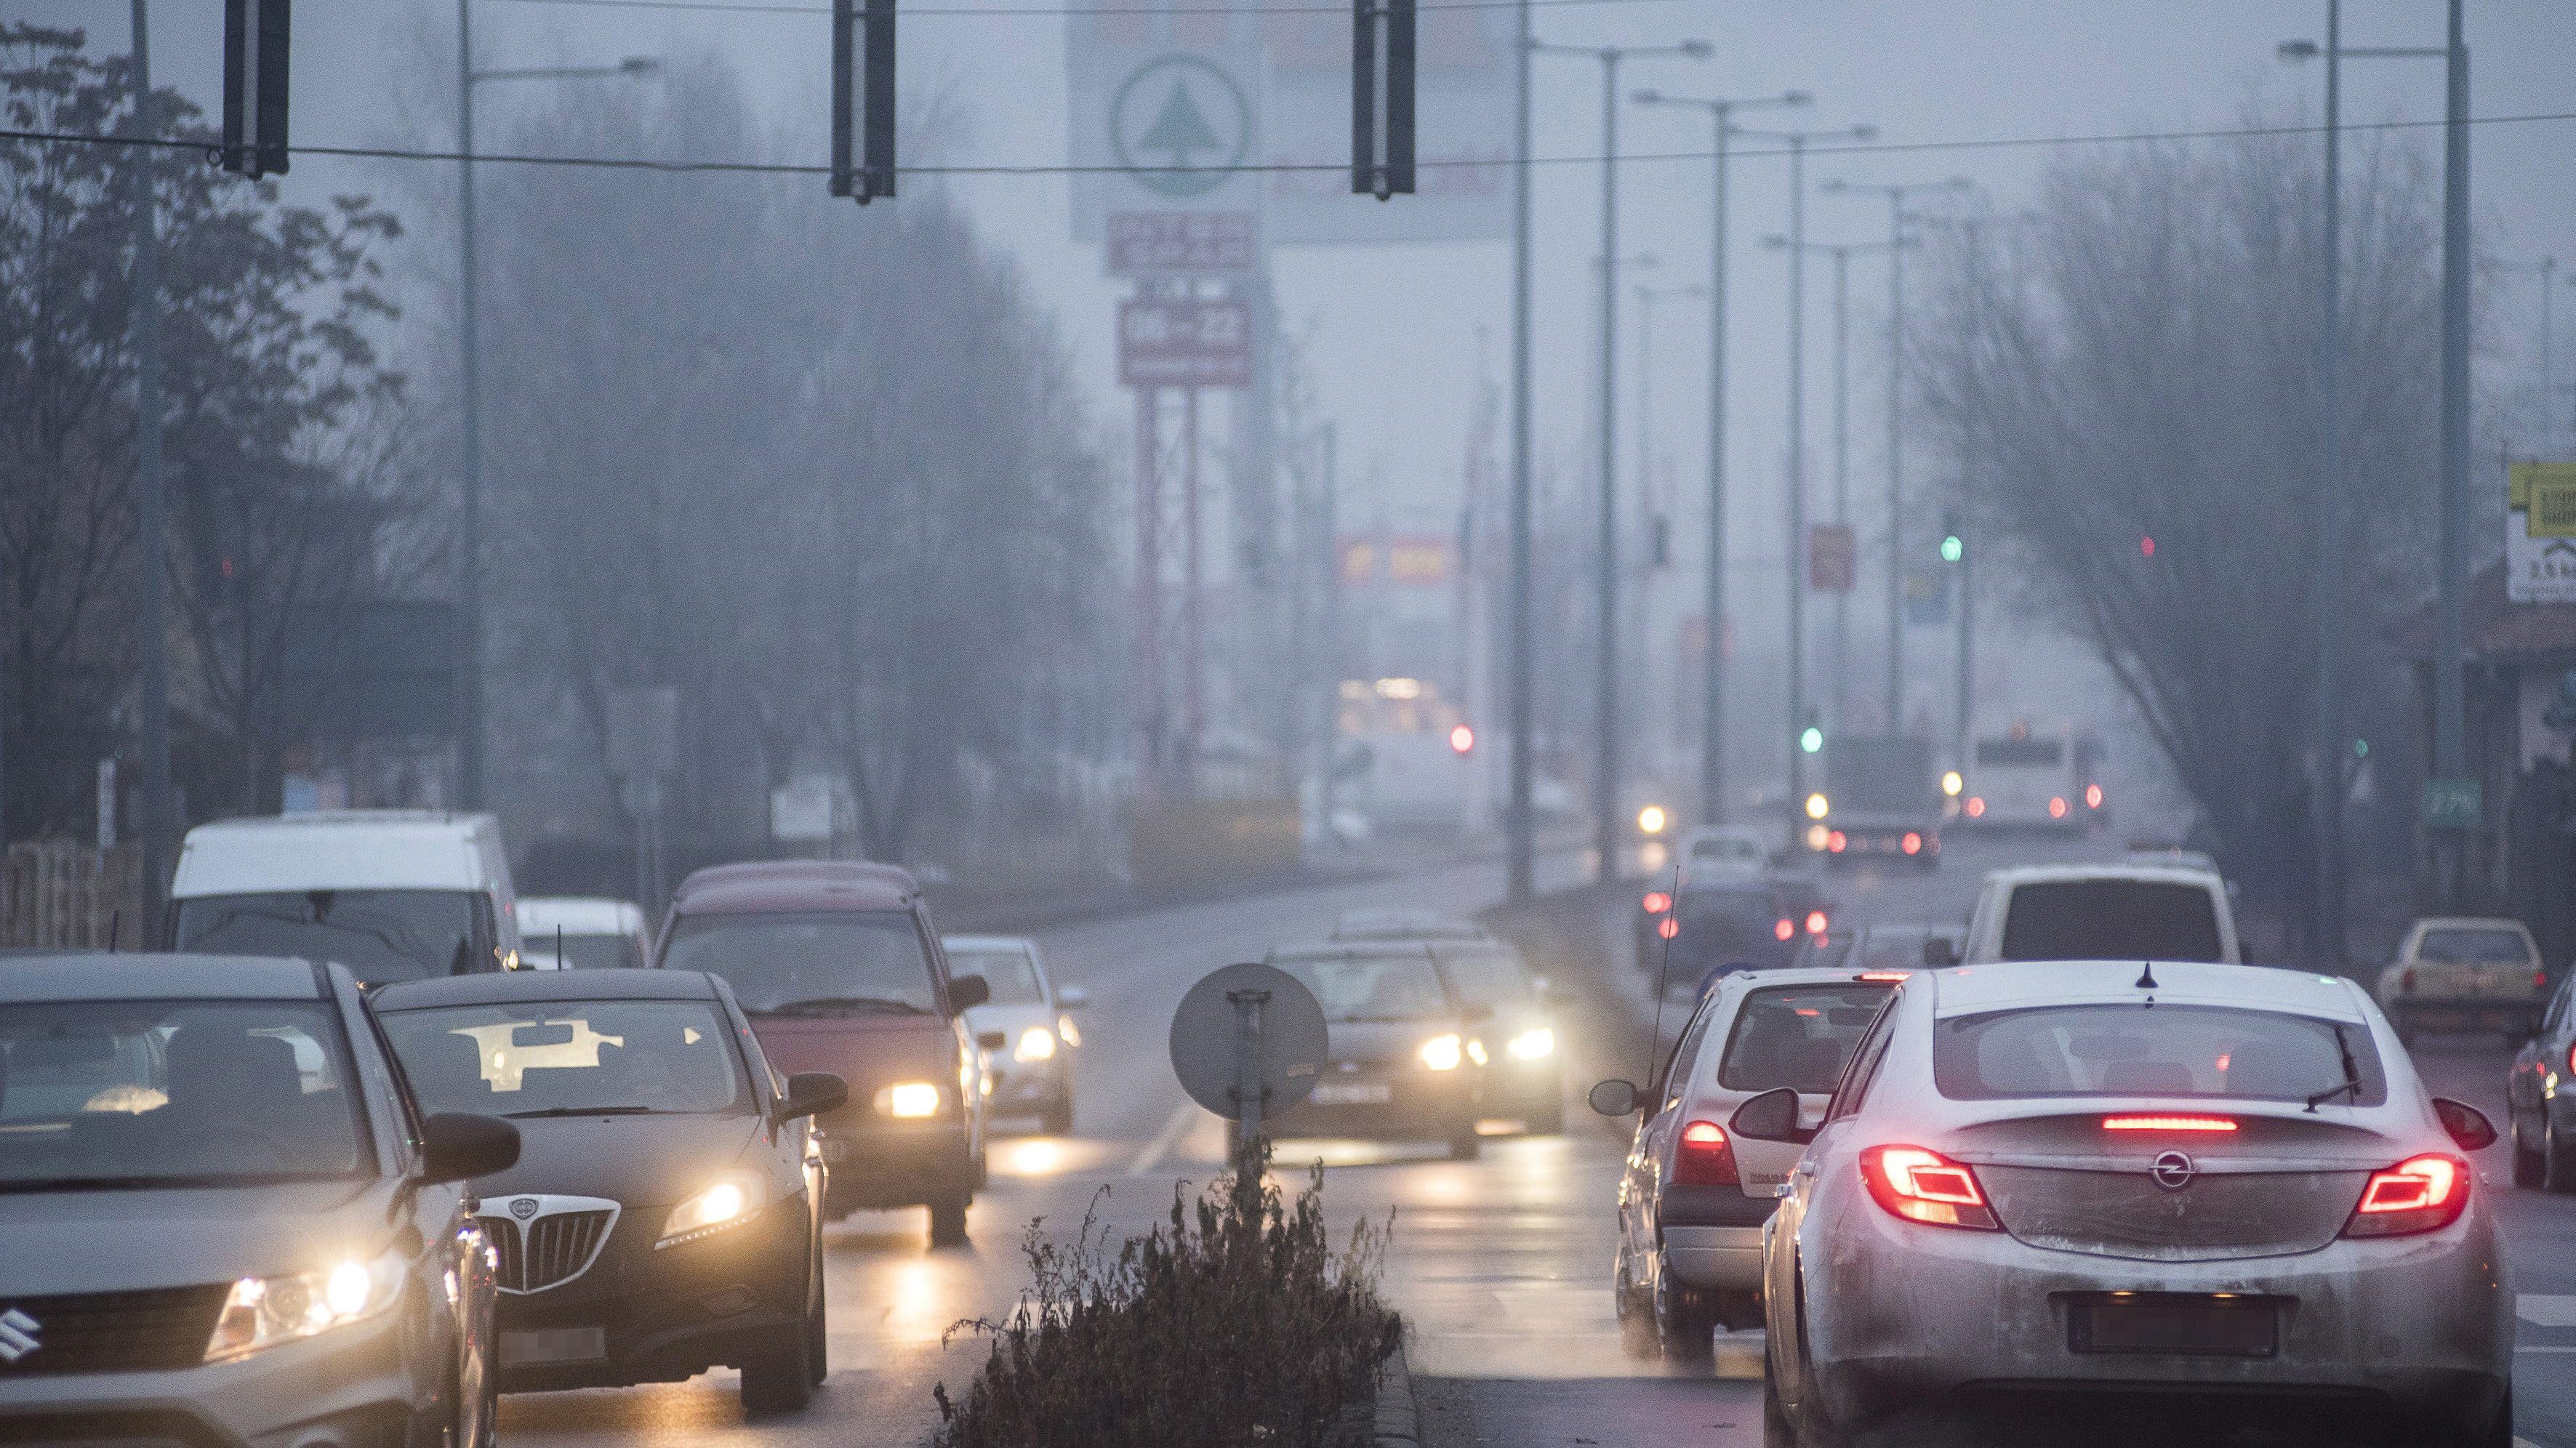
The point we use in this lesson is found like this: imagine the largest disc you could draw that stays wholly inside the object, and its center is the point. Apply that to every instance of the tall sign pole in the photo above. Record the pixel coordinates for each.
(2329, 512)
(1519, 856)
(2450, 722)
(151, 502)
(1605, 704)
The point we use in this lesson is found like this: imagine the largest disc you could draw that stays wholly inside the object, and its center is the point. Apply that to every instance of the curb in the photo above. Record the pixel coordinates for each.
(1396, 1425)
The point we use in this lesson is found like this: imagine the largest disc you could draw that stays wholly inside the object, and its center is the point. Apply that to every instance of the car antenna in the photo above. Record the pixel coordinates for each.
(2146, 975)
(115, 925)
(559, 955)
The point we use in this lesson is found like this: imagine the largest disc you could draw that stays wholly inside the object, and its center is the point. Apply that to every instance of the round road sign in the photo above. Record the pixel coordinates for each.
(1293, 1039)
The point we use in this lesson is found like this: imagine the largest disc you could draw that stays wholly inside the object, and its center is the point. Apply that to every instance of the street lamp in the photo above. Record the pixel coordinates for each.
(1797, 141)
(469, 564)
(1898, 242)
(1641, 601)
(1712, 770)
(1605, 803)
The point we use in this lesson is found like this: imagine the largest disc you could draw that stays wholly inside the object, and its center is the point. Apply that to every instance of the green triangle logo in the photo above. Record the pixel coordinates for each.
(1179, 128)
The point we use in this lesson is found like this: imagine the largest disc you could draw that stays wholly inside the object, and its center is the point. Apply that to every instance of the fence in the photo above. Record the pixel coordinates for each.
(58, 895)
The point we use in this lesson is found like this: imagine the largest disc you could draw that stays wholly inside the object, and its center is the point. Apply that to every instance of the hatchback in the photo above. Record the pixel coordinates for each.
(1026, 1028)
(1404, 1059)
(2465, 974)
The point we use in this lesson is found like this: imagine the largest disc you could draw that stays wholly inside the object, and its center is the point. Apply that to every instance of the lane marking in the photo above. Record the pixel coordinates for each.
(1184, 1117)
(2546, 1311)
(2548, 1347)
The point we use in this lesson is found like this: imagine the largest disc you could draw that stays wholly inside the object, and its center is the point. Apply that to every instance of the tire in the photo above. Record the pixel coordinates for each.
(1637, 1335)
(2530, 1166)
(1685, 1319)
(1057, 1119)
(948, 1221)
(1777, 1430)
(2557, 1158)
(781, 1380)
(2497, 1431)
(818, 1327)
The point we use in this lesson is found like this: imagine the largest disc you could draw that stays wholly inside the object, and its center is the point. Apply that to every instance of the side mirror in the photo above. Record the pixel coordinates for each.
(2468, 1125)
(966, 992)
(1771, 1116)
(810, 1093)
(1939, 952)
(1614, 1098)
(992, 1040)
(457, 1147)
(1072, 998)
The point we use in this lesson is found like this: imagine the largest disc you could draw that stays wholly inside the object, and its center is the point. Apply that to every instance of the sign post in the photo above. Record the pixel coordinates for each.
(1247, 1043)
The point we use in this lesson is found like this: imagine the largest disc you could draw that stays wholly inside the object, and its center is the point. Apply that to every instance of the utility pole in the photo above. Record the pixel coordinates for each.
(1842, 477)
(2329, 513)
(2450, 723)
(151, 501)
(469, 540)
(1519, 855)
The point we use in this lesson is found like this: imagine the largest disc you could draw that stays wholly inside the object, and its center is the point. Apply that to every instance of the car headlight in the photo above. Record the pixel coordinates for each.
(1476, 1051)
(1037, 1043)
(1532, 1044)
(726, 1202)
(1067, 1032)
(262, 1312)
(908, 1099)
(1444, 1052)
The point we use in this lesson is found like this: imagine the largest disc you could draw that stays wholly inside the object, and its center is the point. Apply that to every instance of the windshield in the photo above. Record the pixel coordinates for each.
(584, 952)
(2111, 920)
(2165, 1050)
(565, 1058)
(380, 935)
(1371, 987)
(2473, 947)
(1724, 848)
(1489, 978)
(1011, 974)
(829, 961)
(104, 1094)
(1797, 1036)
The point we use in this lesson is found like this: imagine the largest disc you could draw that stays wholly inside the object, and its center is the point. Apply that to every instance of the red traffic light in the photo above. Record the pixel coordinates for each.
(1462, 739)
(2147, 546)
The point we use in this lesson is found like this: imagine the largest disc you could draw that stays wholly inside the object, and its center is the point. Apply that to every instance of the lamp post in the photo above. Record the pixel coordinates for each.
(1898, 242)
(1605, 782)
(469, 546)
(1712, 758)
(1641, 603)
(1797, 144)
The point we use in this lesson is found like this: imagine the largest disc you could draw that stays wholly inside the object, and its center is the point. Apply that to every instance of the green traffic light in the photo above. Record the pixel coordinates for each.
(1953, 549)
(1813, 740)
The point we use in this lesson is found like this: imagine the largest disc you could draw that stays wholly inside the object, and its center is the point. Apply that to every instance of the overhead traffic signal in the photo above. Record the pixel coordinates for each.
(1382, 98)
(863, 99)
(1812, 740)
(255, 45)
(1954, 538)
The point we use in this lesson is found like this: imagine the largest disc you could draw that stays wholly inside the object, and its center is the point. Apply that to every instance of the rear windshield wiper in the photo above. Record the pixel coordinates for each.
(827, 1005)
(582, 1111)
(2351, 1075)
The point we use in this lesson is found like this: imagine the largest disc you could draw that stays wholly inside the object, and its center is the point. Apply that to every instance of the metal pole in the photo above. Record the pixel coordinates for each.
(1842, 476)
(1249, 1090)
(1334, 654)
(1193, 645)
(1149, 593)
(2450, 724)
(469, 545)
(151, 503)
(1605, 783)
(1895, 462)
(1967, 663)
(1797, 479)
(1712, 758)
(1519, 857)
(2329, 512)
(2548, 273)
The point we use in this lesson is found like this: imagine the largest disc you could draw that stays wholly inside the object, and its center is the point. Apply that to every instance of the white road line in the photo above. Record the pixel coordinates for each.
(1184, 1117)
(2543, 1311)
(2548, 1348)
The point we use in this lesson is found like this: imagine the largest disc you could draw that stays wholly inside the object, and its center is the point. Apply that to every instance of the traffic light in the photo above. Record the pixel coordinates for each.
(863, 99)
(255, 45)
(1812, 740)
(1462, 739)
(1954, 537)
(1381, 97)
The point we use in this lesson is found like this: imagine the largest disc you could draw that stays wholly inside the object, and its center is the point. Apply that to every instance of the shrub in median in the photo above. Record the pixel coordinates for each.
(1235, 1324)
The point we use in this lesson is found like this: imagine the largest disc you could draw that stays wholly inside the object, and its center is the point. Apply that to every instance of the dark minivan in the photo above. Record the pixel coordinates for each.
(839, 968)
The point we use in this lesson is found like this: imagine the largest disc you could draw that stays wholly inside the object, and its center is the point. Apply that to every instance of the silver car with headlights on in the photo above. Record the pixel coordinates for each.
(2211, 1183)
(222, 1221)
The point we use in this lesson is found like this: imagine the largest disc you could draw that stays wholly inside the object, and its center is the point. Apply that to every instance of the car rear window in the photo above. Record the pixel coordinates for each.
(2154, 1050)
(2473, 947)
(2111, 920)
(1371, 987)
(1797, 1036)
(1750, 906)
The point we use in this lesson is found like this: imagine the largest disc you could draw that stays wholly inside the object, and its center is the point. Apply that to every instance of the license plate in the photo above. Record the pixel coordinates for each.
(1356, 1093)
(2198, 1326)
(554, 1345)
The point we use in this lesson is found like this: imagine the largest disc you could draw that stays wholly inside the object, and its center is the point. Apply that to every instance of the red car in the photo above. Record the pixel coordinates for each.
(839, 968)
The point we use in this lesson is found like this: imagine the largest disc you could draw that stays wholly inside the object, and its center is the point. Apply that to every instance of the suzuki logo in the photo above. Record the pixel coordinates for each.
(2173, 1171)
(17, 1335)
(524, 1208)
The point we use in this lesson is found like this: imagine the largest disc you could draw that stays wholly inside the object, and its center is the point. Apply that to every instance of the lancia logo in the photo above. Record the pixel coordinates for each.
(526, 1207)
(17, 1335)
(2173, 1171)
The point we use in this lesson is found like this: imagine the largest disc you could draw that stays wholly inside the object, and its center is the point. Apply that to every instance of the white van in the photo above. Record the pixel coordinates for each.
(583, 932)
(2102, 912)
(391, 894)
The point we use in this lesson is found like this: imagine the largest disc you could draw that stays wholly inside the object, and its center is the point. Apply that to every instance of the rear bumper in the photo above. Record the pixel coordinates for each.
(1726, 1259)
(670, 1314)
(2464, 1013)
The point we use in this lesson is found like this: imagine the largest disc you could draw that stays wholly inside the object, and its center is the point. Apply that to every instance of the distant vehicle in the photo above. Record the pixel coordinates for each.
(666, 1216)
(1396, 758)
(2542, 1110)
(1400, 924)
(574, 932)
(1694, 1199)
(2026, 780)
(1720, 849)
(224, 1221)
(1880, 800)
(837, 966)
(1877, 947)
(2100, 912)
(1524, 1074)
(2465, 973)
(1407, 1057)
(2243, 1194)
(1728, 922)
(1026, 1026)
(392, 894)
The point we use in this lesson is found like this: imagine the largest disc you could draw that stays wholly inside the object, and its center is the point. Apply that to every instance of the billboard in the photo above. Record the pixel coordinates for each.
(1165, 118)
(2540, 533)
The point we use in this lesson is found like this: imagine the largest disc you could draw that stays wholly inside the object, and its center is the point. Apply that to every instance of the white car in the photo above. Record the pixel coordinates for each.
(578, 932)
(1692, 1200)
(1721, 849)
(2190, 1180)
(2101, 912)
(1026, 1027)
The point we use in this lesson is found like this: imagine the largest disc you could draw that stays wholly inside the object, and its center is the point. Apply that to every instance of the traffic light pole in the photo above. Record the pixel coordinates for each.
(1519, 856)
(1967, 660)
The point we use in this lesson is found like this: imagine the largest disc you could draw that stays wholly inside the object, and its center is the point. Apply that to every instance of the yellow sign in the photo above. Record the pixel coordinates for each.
(2547, 492)
(2540, 532)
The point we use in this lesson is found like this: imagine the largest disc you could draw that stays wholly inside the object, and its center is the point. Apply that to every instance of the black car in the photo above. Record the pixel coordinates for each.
(1405, 1058)
(667, 1214)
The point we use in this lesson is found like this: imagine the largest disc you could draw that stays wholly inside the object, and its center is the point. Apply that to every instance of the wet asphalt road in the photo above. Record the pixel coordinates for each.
(1500, 1265)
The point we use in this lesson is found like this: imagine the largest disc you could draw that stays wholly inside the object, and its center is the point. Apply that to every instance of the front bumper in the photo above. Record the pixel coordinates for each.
(660, 1315)
(1022, 1088)
(352, 1387)
(877, 1164)
(1417, 1104)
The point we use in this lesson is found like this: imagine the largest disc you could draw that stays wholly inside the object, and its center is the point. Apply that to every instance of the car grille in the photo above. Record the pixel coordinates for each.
(106, 1332)
(2125, 1214)
(547, 1251)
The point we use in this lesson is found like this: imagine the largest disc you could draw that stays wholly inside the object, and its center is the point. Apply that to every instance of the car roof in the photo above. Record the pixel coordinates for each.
(2005, 985)
(988, 942)
(1347, 949)
(578, 914)
(504, 987)
(2470, 922)
(1802, 975)
(352, 849)
(2168, 874)
(92, 975)
(758, 886)
(1403, 924)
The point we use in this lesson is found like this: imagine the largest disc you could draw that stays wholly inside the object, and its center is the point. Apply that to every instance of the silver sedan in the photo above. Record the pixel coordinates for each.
(2203, 1180)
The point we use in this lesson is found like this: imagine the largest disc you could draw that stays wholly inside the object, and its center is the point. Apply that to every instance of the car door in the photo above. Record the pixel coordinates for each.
(1650, 1160)
(1785, 1238)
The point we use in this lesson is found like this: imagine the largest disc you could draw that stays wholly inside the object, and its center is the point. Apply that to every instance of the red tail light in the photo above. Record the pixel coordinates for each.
(1657, 902)
(1787, 929)
(2168, 1123)
(2092, 796)
(2057, 807)
(1668, 927)
(1976, 806)
(1817, 924)
(1912, 844)
(1885, 977)
(2407, 981)
(1837, 842)
(1705, 1157)
(2571, 1060)
(1925, 1186)
(2540, 980)
(2420, 1194)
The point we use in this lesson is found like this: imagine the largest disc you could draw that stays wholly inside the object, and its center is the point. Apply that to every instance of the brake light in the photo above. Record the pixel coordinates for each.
(2057, 806)
(1816, 922)
(2092, 796)
(2168, 1123)
(1705, 1158)
(1837, 842)
(2540, 980)
(1884, 977)
(2407, 981)
(2420, 1194)
(1787, 929)
(1668, 927)
(1976, 807)
(2571, 1060)
(1657, 902)
(1912, 844)
(1925, 1186)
